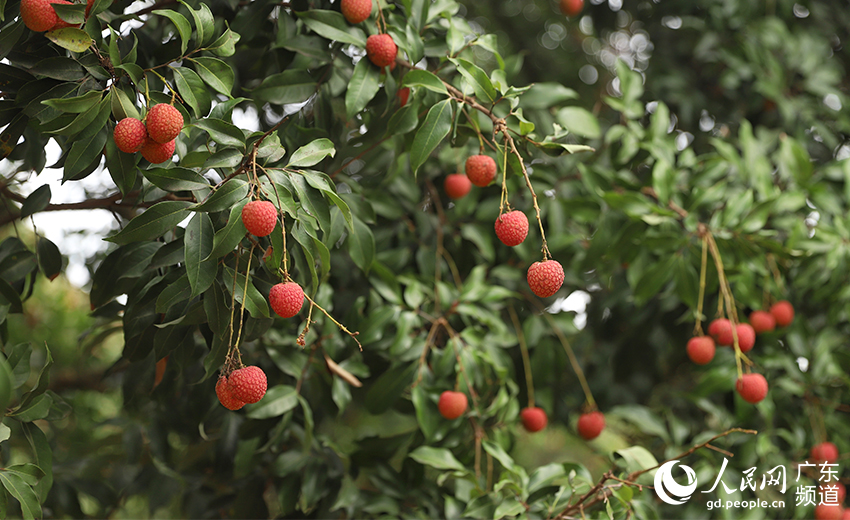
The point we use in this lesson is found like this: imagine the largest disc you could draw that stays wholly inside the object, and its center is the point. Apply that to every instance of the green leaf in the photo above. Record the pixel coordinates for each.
(499, 454)
(37, 408)
(193, 90)
(49, 258)
(579, 121)
(545, 95)
(405, 120)
(36, 201)
(255, 303)
(75, 105)
(215, 73)
(216, 309)
(182, 25)
(332, 25)
(312, 153)
(227, 158)
(72, 14)
(23, 493)
(204, 22)
(277, 401)
(427, 416)
(83, 153)
(227, 238)
(198, 242)
(508, 508)
(151, 224)
(177, 291)
(71, 38)
(637, 458)
(361, 88)
(389, 386)
(122, 167)
(424, 79)
(654, 278)
(311, 200)
(222, 132)
(176, 179)
(290, 86)
(43, 457)
(225, 196)
(361, 245)
(6, 389)
(436, 127)
(9, 296)
(557, 149)
(439, 458)
(28, 472)
(122, 105)
(481, 84)
(225, 45)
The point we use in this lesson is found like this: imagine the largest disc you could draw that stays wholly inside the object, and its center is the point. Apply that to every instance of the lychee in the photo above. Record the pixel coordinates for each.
(752, 387)
(225, 395)
(156, 152)
(130, 135)
(355, 11)
(457, 185)
(783, 311)
(403, 95)
(545, 278)
(259, 217)
(836, 489)
(825, 452)
(39, 15)
(481, 170)
(248, 384)
(512, 228)
(381, 49)
(452, 404)
(829, 512)
(571, 7)
(286, 299)
(164, 122)
(701, 349)
(590, 425)
(762, 321)
(533, 419)
(746, 336)
(721, 330)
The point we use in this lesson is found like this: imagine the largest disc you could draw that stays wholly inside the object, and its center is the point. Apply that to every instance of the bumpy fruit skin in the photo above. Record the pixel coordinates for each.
(825, 452)
(452, 404)
(829, 512)
(571, 7)
(164, 123)
(752, 387)
(381, 50)
(783, 311)
(762, 321)
(403, 95)
(545, 278)
(701, 349)
(156, 152)
(481, 170)
(286, 299)
(225, 396)
(512, 228)
(259, 217)
(533, 419)
(746, 336)
(355, 11)
(590, 425)
(130, 135)
(248, 384)
(721, 330)
(457, 185)
(39, 15)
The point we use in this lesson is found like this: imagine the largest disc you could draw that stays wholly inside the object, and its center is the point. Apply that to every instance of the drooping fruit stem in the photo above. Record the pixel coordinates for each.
(702, 269)
(503, 200)
(526, 360)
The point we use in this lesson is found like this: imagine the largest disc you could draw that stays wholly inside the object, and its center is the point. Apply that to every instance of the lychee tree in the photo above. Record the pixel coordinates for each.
(343, 236)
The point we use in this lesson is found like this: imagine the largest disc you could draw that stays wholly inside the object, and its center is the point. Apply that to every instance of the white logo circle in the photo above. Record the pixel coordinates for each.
(664, 479)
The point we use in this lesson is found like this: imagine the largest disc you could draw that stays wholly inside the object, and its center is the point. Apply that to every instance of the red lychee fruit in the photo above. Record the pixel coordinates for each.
(225, 395)
(481, 170)
(752, 387)
(829, 512)
(452, 404)
(762, 321)
(825, 452)
(545, 278)
(248, 384)
(746, 337)
(512, 228)
(845, 515)
(403, 95)
(286, 299)
(571, 7)
(721, 330)
(156, 152)
(533, 419)
(381, 49)
(835, 489)
(130, 135)
(590, 425)
(701, 349)
(164, 123)
(259, 217)
(457, 185)
(783, 311)
(39, 15)
(355, 11)
(89, 5)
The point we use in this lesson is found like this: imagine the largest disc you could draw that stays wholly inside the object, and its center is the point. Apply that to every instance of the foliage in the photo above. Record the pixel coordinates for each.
(726, 140)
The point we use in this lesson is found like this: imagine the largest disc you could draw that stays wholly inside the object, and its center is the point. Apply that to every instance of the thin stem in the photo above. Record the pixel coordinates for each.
(526, 360)
(338, 324)
(702, 269)
(244, 296)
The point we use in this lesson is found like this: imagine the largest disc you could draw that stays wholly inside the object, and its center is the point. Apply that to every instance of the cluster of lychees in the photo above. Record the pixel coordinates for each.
(832, 493)
(156, 137)
(701, 349)
(242, 386)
